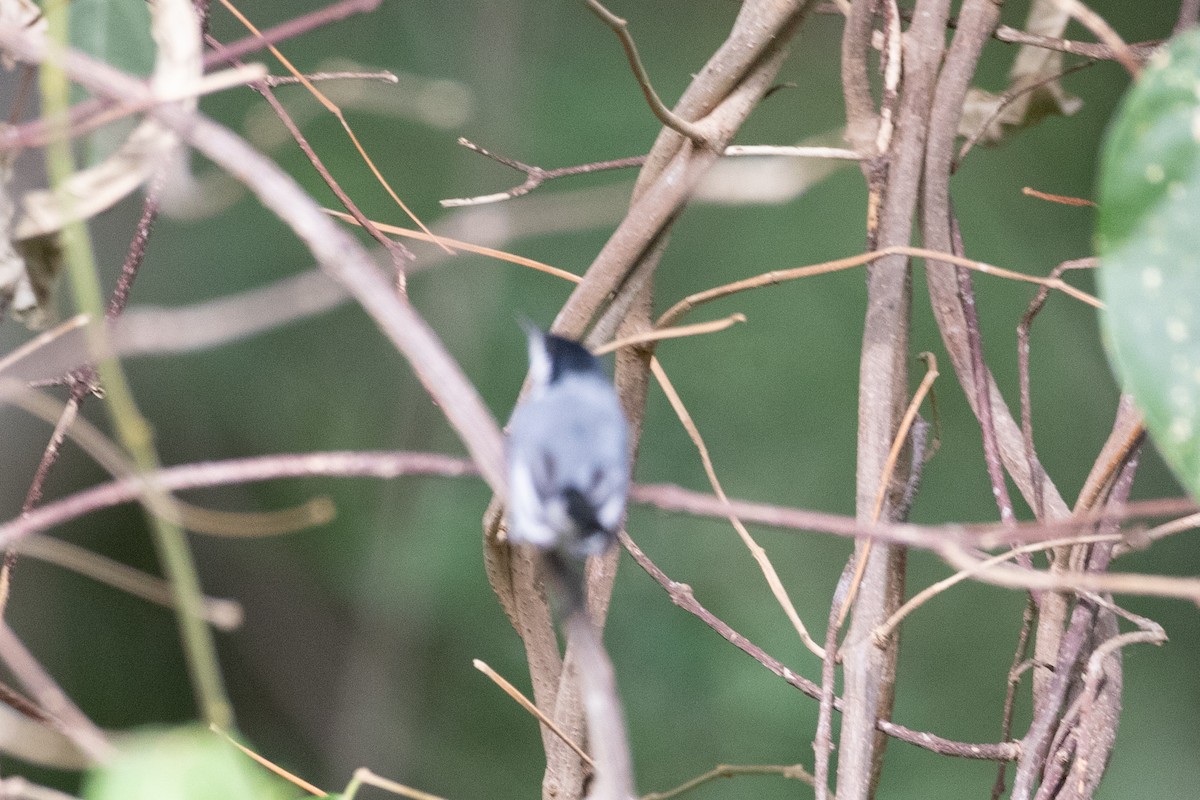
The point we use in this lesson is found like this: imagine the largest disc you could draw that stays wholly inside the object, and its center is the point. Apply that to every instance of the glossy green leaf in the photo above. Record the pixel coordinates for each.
(1148, 238)
(182, 764)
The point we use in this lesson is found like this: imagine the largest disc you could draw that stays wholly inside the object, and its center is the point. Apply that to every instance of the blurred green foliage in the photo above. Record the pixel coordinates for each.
(359, 636)
(1150, 245)
(187, 763)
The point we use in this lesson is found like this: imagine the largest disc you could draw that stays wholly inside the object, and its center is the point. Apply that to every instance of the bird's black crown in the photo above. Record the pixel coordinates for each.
(568, 357)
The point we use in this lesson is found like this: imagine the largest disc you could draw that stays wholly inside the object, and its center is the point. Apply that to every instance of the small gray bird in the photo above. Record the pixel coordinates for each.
(568, 457)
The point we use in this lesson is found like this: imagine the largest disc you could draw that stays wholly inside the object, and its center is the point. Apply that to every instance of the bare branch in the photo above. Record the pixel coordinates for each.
(667, 117)
(1105, 33)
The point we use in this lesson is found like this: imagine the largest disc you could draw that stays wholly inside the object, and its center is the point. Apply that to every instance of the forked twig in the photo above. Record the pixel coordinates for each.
(665, 115)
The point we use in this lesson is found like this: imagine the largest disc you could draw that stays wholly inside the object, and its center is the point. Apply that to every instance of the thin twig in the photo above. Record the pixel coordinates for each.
(1010, 694)
(535, 176)
(1189, 12)
(1007, 99)
(889, 468)
(779, 276)
(1101, 52)
(679, 332)
(760, 555)
(1057, 198)
(491, 252)
(1105, 33)
(399, 253)
(51, 698)
(333, 109)
(1023, 352)
(665, 115)
(793, 771)
(362, 775)
(1142, 539)
(290, 777)
(792, 151)
(983, 398)
(298, 26)
(290, 80)
(225, 615)
(527, 704)
(682, 596)
(235, 471)
(922, 597)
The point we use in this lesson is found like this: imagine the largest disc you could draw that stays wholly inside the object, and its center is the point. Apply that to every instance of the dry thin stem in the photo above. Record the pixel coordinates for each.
(399, 253)
(1015, 670)
(298, 26)
(1101, 52)
(983, 396)
(536, 176)
(527, 704)
(792, 771)
(390, 465)
(362, 775)
(779, 276)
(1061, 199)
(460, 245)
(889, 467)
(289, 80)
(225, 615)
(290, 777)
(1105, 33)
(1023, 352)
(679, 332)
(928, 593)
(792, 151)
(1007, 99)
(1141, 539)
(51, 698)
(332, 108)
(338, 253)
(1130, 583)
(235, 471)
(682, 596)
(665, 115)
(760, 555)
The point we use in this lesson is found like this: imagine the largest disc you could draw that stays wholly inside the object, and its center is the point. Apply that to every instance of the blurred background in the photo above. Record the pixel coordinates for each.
(359, 635)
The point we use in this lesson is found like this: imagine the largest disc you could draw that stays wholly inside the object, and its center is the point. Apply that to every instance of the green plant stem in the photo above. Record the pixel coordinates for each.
(131, 427)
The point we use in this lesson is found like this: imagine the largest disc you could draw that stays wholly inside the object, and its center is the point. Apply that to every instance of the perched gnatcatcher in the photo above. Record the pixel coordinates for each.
(568, 458)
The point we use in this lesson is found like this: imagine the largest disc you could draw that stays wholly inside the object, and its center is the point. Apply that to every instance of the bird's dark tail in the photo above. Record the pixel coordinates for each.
(568, 576)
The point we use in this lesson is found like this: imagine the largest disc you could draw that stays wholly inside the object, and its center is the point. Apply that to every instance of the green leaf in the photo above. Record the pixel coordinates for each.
(118, 33)
(1148, 238)
(114, 31)
(189, 763)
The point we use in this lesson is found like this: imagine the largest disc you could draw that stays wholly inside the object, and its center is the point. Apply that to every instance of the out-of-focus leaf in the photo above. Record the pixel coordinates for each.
(17, 289)
(118, 33)
(1148, 237)
(1032, 84)
(114, 31)
(182, 764)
